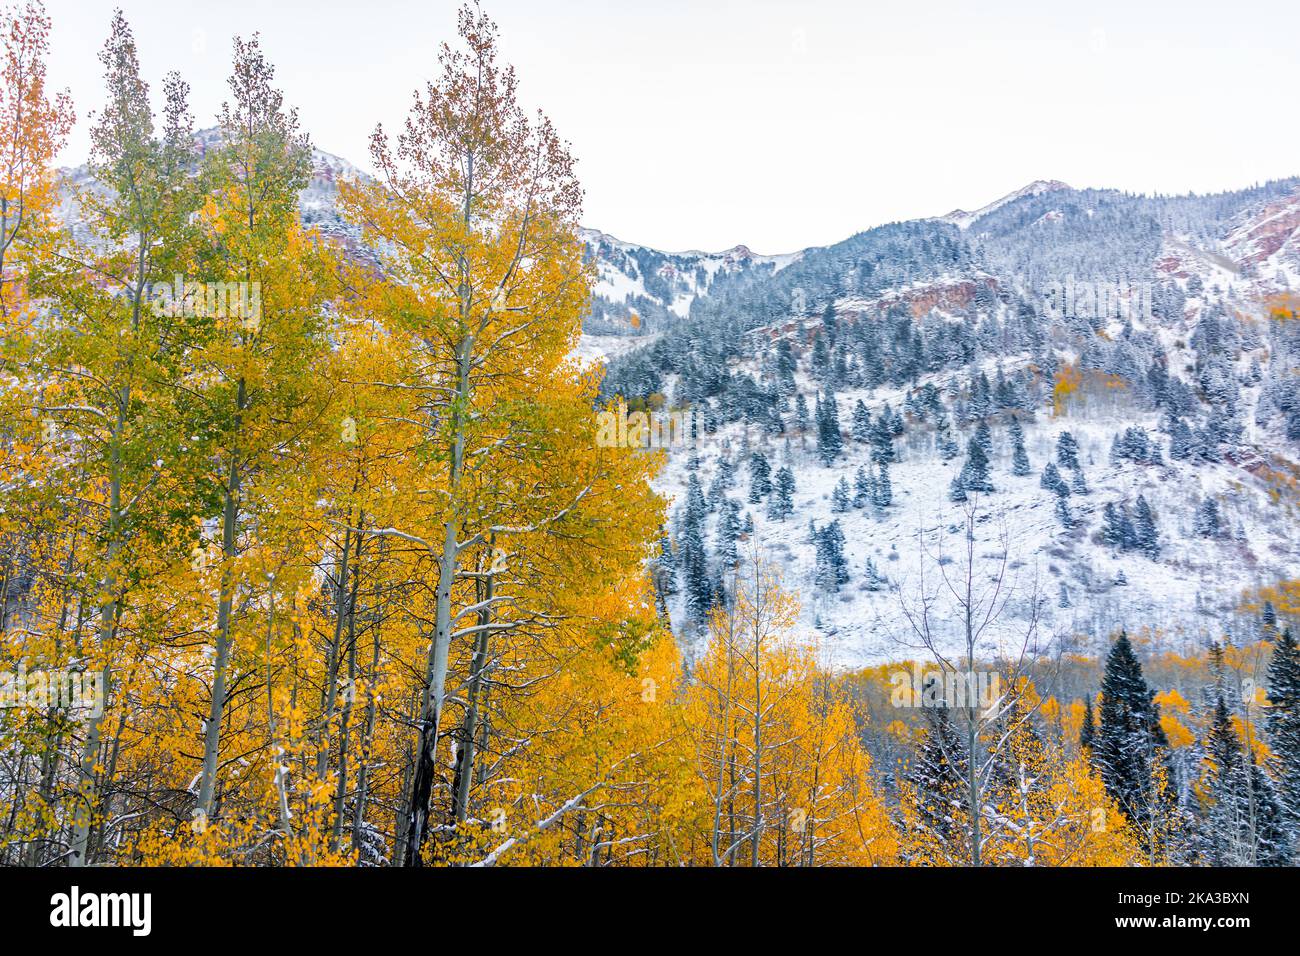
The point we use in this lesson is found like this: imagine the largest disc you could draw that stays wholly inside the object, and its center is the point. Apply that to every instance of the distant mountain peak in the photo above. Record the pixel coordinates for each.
(963, 219)
(741, 251)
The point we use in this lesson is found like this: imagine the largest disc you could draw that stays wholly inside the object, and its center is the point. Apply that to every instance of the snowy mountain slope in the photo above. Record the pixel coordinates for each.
(1086, 589)
(1203, 361)
(964, 220)
(638, 288)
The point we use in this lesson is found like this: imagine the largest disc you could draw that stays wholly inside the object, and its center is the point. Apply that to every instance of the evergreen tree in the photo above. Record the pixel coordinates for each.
(1243, 824)
(1131, 748)
(760, 477)
(829, 442)
(1088, 732)
(728, 532)
(840, 496)
(1053, 481)
(936, 779)
(1274, 836)
(1182, 442)
(718, 487)
(696, 505)
(1019, 457)
(1067, 451)
(861, 423)
(883, 492)
(1282, 725)
(1078, 484)
(1064, 516)
(820, 361)
(1146, 537)
(697, 586)
(1206, 522)
(1117, 527)
(948, 447)
(785, 367)
(882, 436)
(832, 568)
(863, 488)
(1268, 621)
(781, 504)
(667, 565)
(975, 473)
(1223, 785)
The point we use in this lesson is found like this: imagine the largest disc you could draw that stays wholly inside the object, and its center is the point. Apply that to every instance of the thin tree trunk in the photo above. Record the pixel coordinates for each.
(216, 711)
(469, 727)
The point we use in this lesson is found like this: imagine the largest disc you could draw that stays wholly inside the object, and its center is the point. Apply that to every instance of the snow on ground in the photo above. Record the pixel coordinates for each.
(1084, 589)
(597, 348)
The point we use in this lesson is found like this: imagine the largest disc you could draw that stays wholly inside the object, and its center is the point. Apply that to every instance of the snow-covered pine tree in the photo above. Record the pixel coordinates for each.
(1243, 823)
(1067, 450)
(1206, 522)
(781, 504)
(760, 478)
(697, 586)
(1225, 812)
(882, 436)
(1053, 481)
(829, 442)
(1282, 725)
(1019, 457)
(882, 491)
(947, 445)
(862, 487)
(667, 563)
(840, 499)
(832, 569)
(861, 431)
(1117, 527)
(1064, 516)
(1131, 748)
(935, 793)
(1146, 536)
(801, 412)
(1268, 621)
(728, 532)
(1182, 442)
(1088, 731)
(975, 473)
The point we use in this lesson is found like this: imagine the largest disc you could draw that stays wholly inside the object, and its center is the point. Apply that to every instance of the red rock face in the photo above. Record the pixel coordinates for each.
(950, 296)
(1260, 243)
(1275, 230)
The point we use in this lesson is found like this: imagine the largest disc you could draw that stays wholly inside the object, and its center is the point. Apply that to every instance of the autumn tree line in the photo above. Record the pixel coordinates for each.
(328, 524)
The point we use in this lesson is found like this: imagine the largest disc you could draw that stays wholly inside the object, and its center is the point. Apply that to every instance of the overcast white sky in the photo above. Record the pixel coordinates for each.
(780, 123)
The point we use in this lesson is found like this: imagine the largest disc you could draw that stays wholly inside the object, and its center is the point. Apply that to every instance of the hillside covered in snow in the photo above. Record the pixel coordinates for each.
(1108, 382)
